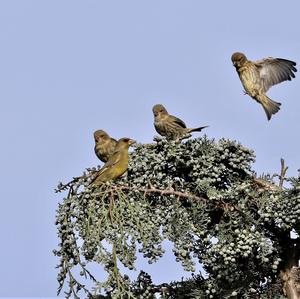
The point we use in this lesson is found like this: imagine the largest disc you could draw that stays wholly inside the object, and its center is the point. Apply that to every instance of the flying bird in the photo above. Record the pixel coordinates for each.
(258, 76)
(170, 126)
(104, 145)
(117, 163)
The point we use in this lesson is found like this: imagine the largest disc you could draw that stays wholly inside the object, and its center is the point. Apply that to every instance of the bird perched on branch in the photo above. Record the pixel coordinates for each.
(258, 76)
(117, 163)
(170, 126)
(104, 145)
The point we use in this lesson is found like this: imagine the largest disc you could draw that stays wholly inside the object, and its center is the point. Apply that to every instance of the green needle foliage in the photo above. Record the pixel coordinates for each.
(202, 196)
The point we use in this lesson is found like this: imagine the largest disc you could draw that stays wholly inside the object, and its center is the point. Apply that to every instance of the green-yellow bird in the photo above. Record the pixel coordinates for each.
(258, 76)
(104, 145)
(170, 126)
(117, 163)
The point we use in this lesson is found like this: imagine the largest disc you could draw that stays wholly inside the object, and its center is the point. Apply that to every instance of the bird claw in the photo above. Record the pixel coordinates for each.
(186, 136)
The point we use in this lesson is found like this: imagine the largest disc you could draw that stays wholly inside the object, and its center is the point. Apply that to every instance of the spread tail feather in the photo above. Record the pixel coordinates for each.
(197, 129)
(271, 107)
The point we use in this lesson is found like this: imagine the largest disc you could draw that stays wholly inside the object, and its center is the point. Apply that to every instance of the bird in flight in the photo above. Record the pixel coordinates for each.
(258, 76)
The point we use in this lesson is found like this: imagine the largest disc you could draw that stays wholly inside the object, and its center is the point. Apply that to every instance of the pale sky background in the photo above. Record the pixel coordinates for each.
(70, 67)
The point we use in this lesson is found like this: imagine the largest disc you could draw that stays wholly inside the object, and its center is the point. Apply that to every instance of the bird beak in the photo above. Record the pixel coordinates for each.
(131, 141)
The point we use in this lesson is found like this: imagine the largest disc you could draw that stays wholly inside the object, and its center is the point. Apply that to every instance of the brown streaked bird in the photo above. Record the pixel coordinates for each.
(170, 126)
(258, 76)
(117, 163)
(104, 145)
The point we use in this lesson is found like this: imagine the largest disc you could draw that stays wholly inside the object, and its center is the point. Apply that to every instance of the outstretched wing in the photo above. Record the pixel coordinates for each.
(275, 70)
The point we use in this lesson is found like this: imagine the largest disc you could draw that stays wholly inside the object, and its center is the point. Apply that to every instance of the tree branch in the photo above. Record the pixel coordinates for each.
(161, 192)
(290, 273)
(282, 173)
(266, 185)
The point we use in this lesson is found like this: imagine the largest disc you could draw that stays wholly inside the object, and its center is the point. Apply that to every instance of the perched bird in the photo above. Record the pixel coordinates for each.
(170, 126)
(117, 163)
(258, 76)
(104, 145)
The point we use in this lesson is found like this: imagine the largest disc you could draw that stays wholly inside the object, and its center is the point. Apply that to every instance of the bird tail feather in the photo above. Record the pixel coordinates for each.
(271, 107)
(197, 129)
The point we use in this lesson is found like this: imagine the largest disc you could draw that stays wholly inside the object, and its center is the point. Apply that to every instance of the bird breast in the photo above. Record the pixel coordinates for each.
(250, 78)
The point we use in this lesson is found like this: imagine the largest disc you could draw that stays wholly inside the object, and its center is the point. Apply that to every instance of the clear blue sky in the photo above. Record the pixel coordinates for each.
(71, 67)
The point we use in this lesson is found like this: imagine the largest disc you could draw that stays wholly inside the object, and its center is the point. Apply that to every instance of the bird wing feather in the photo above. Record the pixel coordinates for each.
(177, 121)
(275, 70)
(114, 159)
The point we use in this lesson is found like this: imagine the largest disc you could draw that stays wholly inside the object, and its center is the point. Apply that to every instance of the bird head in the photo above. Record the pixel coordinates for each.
(100, 135)
(159, 109)
(238, 59)
(125, 142)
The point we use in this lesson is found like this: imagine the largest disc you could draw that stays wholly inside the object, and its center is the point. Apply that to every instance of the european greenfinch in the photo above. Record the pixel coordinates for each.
(117, 163)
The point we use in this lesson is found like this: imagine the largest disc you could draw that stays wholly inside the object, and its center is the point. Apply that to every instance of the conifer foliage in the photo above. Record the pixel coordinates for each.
(204, 197)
